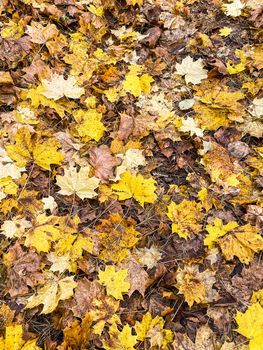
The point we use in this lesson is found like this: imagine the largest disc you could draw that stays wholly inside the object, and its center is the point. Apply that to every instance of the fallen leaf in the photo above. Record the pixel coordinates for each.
(79, 183)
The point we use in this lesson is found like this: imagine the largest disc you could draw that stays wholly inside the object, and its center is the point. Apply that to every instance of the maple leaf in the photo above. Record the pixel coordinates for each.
(89, 125)
(196, 286)
(40, 34)
(185, 217)
(148, 256)
(45, 231)
(250, 325)
(257, 297)
(116, 236)
(217, 230)
(37, 99)
(131, 160)
(135, 84)
(136, 186)
(114, 281)
(27, 147)
(120, 340)
(57, 87)
(13, 339)
(234, 9)
(243, 242)
(190, 125)
(193, 71)
(51, 293)
(79, 183)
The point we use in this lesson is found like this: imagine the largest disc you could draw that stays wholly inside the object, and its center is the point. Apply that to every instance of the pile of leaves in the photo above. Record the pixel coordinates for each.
(131, 174)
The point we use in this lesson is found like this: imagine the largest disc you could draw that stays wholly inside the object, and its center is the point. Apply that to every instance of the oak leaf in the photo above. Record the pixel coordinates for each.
(79, 183)
(114, 281)
(136, 186)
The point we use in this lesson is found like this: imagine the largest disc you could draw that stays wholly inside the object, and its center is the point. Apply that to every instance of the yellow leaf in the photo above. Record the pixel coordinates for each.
(250, 325)
(50, 294)
(185, 217)
(257, 297)
(225, 31)
(78, 183)
(196, 286)
(13, 30)
(137, 85)
(242, 242)
(147, 324)
(45, 231)
(37, 99)
(57, 87)
(13, 339)
(120, 340)
(114, 281)
(217, 230)
(136, 186)
(27, 147)
(89, 125)
(116, 236)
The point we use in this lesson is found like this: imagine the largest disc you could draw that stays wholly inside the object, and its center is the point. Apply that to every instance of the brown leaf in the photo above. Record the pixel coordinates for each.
(125, 127)
(103, 162)
(137, 276)
(153, 35)
(85, 293)
(23, 270)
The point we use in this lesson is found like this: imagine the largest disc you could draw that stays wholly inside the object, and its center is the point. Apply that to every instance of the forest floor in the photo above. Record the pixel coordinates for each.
(131, 175)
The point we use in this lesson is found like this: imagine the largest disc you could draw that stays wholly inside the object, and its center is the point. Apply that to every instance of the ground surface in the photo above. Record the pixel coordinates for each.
(131, 173)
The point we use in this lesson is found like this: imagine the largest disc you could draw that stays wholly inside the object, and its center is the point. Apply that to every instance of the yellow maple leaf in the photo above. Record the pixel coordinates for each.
(116, 236)
(120, 340)
(225, 31)
(136, 186)
(13, 30)
(13, 339)
(78, 183)
(152, 328)
(194, 285)
(257, 297)
(114, 281)
(89, 125)
(70, 248)
(217, 230)
(51, 293)
(27, 148)
(45, 231)
(37, 98)
(185, 217)
(243, 242)
(137, 85)
(250, 325)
